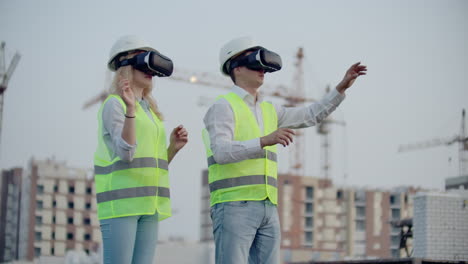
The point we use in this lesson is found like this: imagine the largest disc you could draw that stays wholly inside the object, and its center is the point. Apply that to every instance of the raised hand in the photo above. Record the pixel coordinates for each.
(126, 92)
(351, 75)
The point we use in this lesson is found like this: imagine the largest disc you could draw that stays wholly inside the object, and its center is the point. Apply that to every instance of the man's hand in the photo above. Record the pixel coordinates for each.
(282, 136)
(351, 75)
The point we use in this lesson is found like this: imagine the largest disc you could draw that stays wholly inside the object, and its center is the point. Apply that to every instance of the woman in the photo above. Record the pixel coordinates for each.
(131, 160)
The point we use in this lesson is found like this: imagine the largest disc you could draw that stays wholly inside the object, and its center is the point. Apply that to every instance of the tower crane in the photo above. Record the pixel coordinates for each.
(323, 129)
(461, 139)
(5, 75)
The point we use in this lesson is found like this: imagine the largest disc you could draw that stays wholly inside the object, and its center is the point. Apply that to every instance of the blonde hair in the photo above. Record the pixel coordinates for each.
(127, 72)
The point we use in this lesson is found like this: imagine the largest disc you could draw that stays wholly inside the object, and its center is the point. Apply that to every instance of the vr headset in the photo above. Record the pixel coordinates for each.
(150, 62)
(261, 59)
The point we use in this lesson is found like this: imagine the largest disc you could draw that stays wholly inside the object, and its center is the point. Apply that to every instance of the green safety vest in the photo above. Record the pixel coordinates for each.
(139, 187)
(250, 179)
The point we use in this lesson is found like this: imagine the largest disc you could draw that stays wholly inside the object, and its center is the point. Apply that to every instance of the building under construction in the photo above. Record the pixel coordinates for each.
(50, 209)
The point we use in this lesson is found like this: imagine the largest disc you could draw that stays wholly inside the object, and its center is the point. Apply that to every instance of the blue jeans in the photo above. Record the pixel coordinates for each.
(246, 232)
(130, 239)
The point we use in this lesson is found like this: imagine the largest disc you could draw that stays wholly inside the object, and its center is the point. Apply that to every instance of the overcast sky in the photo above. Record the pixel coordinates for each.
(415, 90)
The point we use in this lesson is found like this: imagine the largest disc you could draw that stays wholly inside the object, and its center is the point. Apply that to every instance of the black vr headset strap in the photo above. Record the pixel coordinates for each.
(238, 62)
(125, 62)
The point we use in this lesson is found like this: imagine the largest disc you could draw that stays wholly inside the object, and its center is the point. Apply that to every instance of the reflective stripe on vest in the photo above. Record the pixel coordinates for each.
(138, 187)
(239, 181)
(250, 179)
(132, 193)
(269, 155)
(135, 163)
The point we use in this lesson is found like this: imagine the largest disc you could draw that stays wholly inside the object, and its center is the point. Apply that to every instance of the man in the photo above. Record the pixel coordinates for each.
(241, 135)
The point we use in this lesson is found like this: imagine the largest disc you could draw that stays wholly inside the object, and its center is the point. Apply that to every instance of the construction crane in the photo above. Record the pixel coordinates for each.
(293, 96)
(5, 75)
(323, 129)
(461, 139)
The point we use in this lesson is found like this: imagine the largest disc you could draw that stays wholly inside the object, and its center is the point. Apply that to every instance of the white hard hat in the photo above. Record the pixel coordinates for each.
(125, 44)
(233, 48)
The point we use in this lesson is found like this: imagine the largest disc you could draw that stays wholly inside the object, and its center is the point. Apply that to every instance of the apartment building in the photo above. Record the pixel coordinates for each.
(61, 210)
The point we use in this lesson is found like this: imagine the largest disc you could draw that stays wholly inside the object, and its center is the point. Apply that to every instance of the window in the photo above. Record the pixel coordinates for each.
(70, 236)
(360, 196)
(39, 204)
(71, 205)
(52, 251)
(88, 205)
(309, 192)
(55, 188)
(360, 211)
(40, 189)
(360, 225)
(38, 236)
(87, 221)
(38, 220)
(71, 189)
(37, 251)
(339, 195)
(53, 219)
(395, 214)
(89, 190)
(309, 222)
(53, 235)
(309, 208)
(395, 199)
(54, 204)
(87, 237)
(308, 237)
(70, 220)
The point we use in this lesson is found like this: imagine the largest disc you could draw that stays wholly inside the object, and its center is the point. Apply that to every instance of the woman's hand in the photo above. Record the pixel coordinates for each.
(178, 139)
(127, 95)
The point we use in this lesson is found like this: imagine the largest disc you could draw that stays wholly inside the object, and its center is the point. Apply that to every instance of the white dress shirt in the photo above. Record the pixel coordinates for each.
(219, 122)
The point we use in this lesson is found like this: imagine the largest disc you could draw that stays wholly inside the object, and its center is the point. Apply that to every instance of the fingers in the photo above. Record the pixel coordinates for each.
(356, 70)
(124, 85)
(358, 67)
(289, 135)
(180, 132)
(285, 136)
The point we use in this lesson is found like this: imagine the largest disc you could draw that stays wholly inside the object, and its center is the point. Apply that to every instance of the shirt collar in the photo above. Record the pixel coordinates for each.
(247, 97)
(143, 103)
